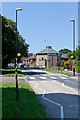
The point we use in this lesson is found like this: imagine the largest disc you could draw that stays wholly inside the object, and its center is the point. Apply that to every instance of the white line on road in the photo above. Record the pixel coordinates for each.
(42, 77)
(32, 77)
(63, 77)
(61, 107)
(53, 77)
(43, 96)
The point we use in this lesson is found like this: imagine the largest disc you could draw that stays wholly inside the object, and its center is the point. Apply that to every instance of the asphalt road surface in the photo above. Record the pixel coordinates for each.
(58, 93)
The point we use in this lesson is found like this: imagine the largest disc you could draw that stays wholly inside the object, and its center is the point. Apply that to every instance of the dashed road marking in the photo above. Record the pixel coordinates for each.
(32, 77)
(53, 77)
(63, 77)
(42, 77)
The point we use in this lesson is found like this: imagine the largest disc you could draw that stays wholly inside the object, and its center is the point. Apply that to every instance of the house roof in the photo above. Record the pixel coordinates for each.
(48, 50)
(30, 57)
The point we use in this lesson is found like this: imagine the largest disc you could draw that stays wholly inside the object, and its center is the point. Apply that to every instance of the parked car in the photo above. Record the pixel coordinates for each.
(42, 67)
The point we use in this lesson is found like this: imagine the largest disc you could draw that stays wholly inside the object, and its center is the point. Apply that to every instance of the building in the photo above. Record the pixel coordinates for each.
(47, 57)
(29, 60)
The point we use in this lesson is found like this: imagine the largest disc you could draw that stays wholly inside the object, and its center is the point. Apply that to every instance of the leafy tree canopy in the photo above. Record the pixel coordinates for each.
(77, 53)
(9, 42)
(64, 51)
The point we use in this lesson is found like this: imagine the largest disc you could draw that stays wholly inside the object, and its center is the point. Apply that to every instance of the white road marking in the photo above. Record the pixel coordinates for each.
(62, 84)
(42, 77)
(53, 77)
(61, 107)
(43, 96)
(36, 85)
(63, 77)
(32, 77)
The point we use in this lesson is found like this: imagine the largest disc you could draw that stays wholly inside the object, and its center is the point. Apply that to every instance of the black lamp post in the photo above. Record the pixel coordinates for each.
(17, 91)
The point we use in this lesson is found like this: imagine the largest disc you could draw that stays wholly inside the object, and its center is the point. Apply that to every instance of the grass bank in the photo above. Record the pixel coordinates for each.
(66, 73)
(11, 73)
(28, 105)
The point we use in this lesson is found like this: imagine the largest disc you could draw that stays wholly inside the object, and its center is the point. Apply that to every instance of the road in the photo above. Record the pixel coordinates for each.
(58, 93)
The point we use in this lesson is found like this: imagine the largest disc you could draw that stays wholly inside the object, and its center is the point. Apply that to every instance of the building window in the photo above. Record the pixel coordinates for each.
(47, 60)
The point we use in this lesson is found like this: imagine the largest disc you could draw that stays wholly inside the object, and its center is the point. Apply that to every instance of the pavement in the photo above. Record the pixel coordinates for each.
(4, 79)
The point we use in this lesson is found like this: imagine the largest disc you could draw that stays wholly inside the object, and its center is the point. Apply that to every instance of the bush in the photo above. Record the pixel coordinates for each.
(78, 66)
(70, 66)
(67, 63)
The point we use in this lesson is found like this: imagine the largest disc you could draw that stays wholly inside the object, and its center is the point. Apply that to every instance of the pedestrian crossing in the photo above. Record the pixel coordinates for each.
(32, 77)
(46, 77)
(42, 77)
(53, 77)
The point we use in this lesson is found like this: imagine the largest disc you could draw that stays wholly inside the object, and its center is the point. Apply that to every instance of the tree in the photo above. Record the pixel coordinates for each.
(9, 42)
(69, 54)
(64, 51)
(77, 53)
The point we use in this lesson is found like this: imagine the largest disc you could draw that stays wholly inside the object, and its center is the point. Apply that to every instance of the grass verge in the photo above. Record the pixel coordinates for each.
(11, 73)
(28, 105)
(66, 73)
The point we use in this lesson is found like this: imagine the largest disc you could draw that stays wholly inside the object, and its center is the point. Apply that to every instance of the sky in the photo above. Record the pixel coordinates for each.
(39, 21)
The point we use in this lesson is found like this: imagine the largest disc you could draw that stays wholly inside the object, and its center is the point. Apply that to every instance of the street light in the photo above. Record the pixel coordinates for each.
(17, 91)
(72, 20)
(47, 52)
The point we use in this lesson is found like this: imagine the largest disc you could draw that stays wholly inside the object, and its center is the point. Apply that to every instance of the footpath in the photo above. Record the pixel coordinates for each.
(5, 79)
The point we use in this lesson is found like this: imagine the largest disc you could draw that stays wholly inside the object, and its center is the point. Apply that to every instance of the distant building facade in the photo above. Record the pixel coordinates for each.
(47, 57)
(30, 59)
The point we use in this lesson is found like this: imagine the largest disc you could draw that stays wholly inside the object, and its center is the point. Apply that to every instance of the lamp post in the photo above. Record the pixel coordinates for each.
(47, 52)
(72, 20)
(17, 91)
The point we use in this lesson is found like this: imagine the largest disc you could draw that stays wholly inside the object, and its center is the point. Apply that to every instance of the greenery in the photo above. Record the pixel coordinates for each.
(28, 105)
(77, 53)
(9, 42)
(12, 73)
(66, 73)
(64, 51)
(67, 63)
(69, 54)
(15, 70)
(78, 66)
(54, 68)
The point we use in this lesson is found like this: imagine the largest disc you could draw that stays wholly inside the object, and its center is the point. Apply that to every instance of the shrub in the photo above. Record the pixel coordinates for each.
(70, 66)
(67, 63)
(78, 66)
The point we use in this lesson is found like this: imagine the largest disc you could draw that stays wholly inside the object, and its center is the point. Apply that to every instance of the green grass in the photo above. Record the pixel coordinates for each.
(54, 68)
(66, 73)
(2, 69)
(28, 105)
(15, 70)
(13, 75)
